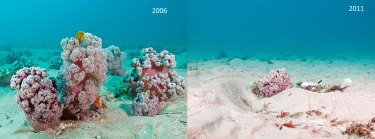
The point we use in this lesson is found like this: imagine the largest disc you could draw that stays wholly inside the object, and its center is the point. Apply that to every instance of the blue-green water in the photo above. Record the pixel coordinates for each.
(43, 23)
(281, 27)
(30, 36)
(287, 27)
(321, 38)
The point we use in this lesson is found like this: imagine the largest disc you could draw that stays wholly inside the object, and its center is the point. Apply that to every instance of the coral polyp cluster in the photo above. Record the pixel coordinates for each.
(84, 71)
(153, 79)
(145, 104)
(115, 58)
(37, 97)
(269, 85)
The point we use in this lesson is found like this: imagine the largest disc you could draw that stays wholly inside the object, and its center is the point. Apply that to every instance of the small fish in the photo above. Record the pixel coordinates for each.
(320, 81)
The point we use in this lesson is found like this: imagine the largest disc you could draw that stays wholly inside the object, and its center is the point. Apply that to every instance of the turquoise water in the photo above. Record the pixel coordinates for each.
(30, 36)
(43, 23)
(321, 38)
(294, 27)
(242, 27)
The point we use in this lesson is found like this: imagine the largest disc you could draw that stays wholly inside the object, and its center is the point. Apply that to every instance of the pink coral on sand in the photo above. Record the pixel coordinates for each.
(84, 71)
(273, 83)
(37, 97)
(154, 73)
(146, 105)
(115, 59)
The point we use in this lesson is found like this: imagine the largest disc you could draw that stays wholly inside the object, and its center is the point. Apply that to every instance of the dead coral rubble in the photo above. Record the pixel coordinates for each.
(323, 88)
(361, 129)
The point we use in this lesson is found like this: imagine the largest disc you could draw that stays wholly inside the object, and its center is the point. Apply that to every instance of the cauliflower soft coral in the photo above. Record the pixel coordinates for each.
(37, 97)
(115, 58)
(153, 73)
(269, 85)
(84, 71)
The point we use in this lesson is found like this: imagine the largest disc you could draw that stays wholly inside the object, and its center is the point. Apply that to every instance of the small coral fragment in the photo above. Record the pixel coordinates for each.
(336, 88)
(283, 114)
(361, 129)
(272, 84)
(289, 125)
(316, 112)
(319, 88)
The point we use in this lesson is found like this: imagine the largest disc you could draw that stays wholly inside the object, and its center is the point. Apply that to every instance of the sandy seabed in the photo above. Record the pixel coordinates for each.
(116, 122)
(221, 105)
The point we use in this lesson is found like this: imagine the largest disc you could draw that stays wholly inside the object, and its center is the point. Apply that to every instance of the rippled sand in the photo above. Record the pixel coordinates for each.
(116, 122)
(221, 105)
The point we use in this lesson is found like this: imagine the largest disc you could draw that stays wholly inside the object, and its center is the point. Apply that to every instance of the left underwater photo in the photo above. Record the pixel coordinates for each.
(93, 69)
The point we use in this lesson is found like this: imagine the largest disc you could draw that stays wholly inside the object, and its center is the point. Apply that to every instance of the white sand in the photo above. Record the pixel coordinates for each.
(221, 105)
(116, 122)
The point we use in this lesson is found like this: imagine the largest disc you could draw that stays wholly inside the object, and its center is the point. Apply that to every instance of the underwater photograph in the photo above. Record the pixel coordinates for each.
(293, 69)
(93, 69)
(187, 69)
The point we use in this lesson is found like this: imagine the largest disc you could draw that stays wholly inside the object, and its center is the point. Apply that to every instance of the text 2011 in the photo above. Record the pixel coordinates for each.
(356, 9)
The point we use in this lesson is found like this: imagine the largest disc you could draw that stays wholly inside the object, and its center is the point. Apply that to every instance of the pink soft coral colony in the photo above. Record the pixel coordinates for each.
(153, 79)
(84, 71)
(273, 83)
(115, 58)
(37, 97)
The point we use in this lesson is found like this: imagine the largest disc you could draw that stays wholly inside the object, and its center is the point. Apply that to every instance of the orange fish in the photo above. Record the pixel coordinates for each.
(81, 35)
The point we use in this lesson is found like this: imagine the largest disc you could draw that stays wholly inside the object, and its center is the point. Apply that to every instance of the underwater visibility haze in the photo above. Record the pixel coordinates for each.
(43, 23)
(281, 69)
(187, 69)
(281, 27)
(93, 69)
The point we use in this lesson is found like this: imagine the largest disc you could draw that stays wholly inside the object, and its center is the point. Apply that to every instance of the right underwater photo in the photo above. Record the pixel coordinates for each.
(281, 69)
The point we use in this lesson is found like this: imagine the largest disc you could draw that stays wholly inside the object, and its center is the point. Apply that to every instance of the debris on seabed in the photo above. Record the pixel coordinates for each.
(6, 116)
